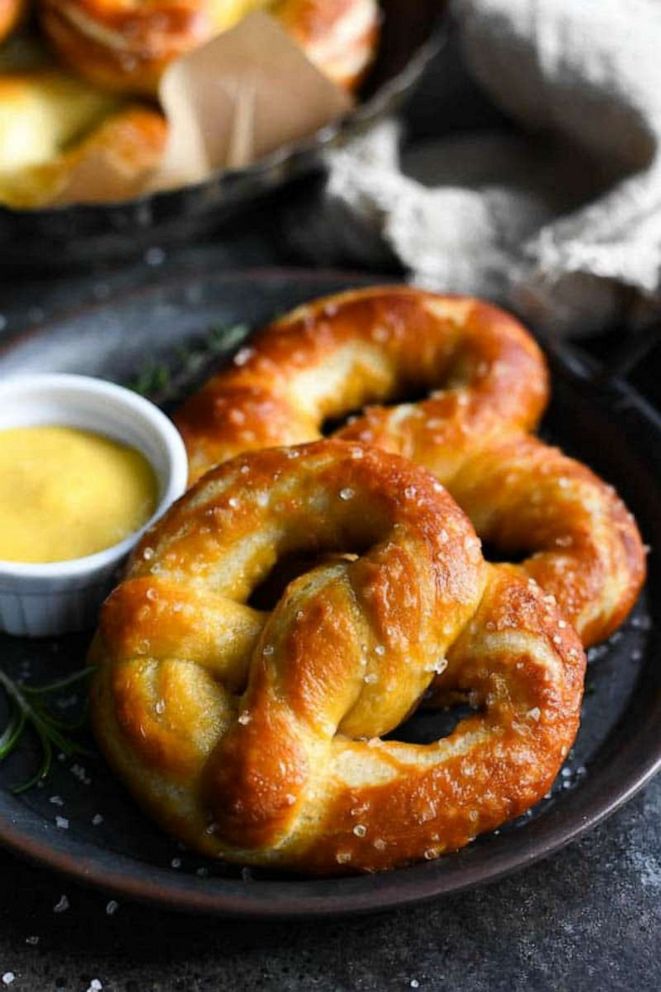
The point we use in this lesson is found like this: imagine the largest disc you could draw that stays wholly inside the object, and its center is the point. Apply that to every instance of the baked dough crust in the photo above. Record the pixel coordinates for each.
(256, 736)
(50, 123)
(486, 386)
(126, 46)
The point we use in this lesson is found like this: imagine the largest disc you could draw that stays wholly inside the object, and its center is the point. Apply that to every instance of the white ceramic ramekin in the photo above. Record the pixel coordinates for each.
(38, 600)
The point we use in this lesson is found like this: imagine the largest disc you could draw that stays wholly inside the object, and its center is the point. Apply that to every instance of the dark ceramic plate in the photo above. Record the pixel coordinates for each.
(186, 328)
(77, 235)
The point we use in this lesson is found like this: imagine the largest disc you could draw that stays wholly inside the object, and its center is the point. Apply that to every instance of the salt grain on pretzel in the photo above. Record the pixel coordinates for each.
(257, 735)
(485, 386)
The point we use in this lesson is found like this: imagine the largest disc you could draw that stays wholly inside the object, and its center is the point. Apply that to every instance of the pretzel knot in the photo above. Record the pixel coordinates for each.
(485, 386)
(257, 735)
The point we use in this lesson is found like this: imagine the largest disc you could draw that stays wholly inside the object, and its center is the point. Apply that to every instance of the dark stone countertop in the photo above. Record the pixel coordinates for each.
(588, 918)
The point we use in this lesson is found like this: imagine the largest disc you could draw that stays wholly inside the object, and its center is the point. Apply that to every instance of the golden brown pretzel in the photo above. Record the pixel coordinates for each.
(127, 46)
(376, 345)
(54, 127)
(257, 736)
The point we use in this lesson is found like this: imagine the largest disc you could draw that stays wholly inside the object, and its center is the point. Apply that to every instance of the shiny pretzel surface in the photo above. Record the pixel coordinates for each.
(127, 46)
(485, 385)
(257, 734)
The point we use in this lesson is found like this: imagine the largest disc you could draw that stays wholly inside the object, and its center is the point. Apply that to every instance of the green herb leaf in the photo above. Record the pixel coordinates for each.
(28, 709)
(163, 382)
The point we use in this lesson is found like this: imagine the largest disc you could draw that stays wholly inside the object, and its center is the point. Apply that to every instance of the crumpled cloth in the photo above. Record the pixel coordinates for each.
(560, 219)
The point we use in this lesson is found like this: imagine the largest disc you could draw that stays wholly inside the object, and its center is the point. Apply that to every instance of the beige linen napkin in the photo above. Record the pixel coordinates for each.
(563, 222)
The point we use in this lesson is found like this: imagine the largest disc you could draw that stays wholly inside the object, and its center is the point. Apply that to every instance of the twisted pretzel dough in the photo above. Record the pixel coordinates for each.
(256, 736)
(126, 46)
(339, 354)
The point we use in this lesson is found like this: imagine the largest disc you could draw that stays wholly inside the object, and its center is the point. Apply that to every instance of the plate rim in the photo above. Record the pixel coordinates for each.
(328, 898)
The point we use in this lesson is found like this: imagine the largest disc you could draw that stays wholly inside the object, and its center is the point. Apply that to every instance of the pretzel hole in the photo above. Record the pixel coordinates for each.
(431, 722)
(267, 594)
(498, 554)
(335, 423)
(407, 393)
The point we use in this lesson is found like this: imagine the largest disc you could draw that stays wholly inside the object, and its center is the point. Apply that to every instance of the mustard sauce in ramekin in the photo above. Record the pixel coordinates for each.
(66, 493)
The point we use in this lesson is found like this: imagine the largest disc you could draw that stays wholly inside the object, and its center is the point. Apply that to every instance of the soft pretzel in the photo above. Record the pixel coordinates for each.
(52, 123)
(256, 736)
(486, 385)
(127, 46)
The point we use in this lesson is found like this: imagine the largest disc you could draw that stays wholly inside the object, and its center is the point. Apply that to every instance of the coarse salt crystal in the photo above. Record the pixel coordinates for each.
(342, 857)
(62, 822)
(97, 819)
(62, 905)
(56, 800)
(268, 649)
(379, 649)
(111, 907)
(245, 718)
(8, 978)
(360, 830)
(176, 863)
(371, 678)
(160, 706)
(33, 941)
(242, 356)
(346, 494)
(534, 713)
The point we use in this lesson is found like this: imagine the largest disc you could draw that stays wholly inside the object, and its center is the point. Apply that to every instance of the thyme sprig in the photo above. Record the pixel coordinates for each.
(165, 381)
(29, 711)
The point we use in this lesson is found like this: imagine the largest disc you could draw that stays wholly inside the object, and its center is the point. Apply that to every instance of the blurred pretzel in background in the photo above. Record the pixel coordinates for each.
(126, 47)
(485, 385)
(256, 735)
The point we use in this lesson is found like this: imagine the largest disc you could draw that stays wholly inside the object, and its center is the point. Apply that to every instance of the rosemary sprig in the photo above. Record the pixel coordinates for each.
(29, 710)
(164, 381)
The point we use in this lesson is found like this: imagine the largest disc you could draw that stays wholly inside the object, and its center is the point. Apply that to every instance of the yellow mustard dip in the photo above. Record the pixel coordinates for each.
(66, 493)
